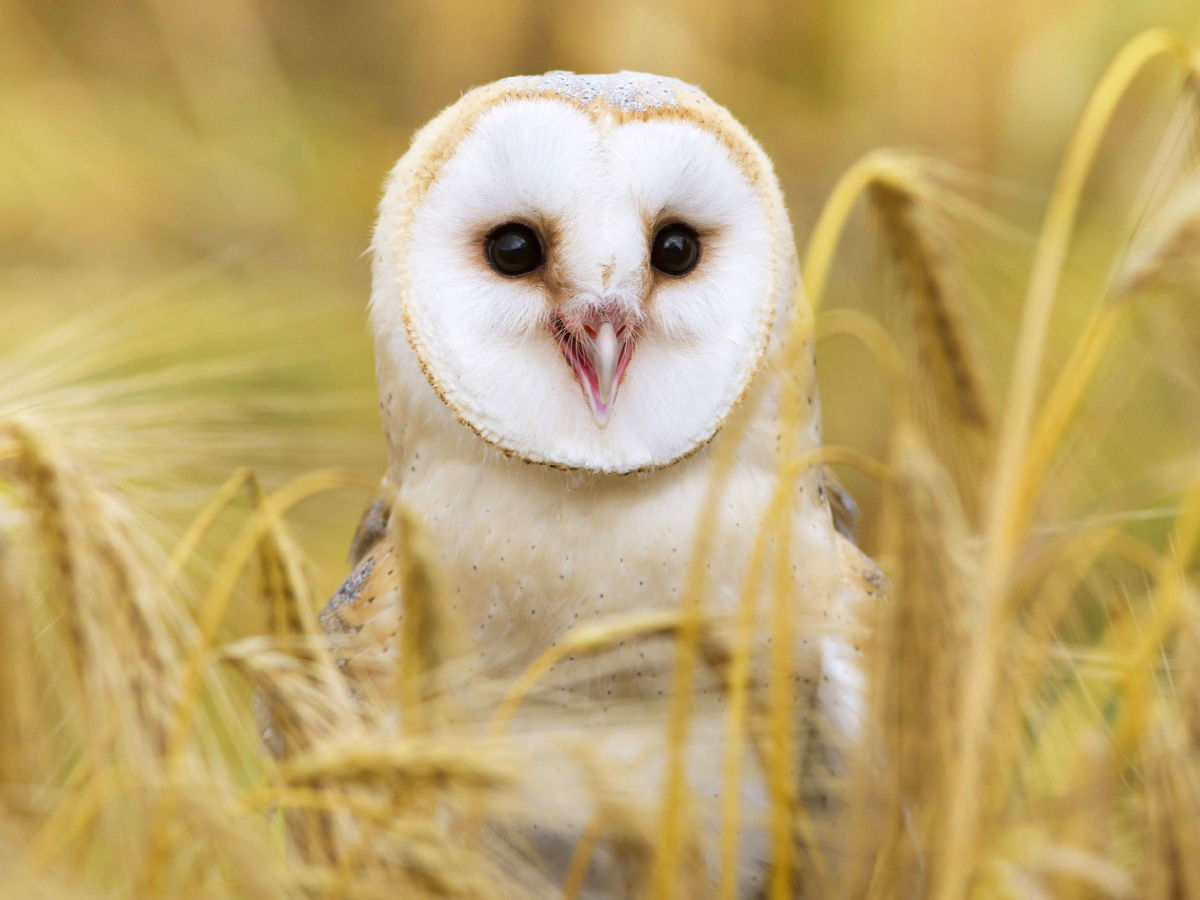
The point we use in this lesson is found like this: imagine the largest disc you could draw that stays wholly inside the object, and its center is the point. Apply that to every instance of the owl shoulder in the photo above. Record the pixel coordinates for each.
(373, 524)
(353, 605)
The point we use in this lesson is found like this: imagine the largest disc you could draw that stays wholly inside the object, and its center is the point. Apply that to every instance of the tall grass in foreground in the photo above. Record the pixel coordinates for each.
(1034, 719)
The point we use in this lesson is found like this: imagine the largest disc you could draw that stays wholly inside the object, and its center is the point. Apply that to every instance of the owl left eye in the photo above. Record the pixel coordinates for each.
(514, 249)
(676, 250)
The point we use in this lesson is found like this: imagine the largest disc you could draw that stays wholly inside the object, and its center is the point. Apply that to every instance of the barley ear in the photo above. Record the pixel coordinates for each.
(1085, 822)
(290, 612)
(1187, 678)
(1171, 808)
(945, 346)
(917, 663)
(18, 693)
(37, 472)
(1167, 252)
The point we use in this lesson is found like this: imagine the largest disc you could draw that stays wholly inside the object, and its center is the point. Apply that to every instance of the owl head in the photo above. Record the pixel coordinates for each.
(585, 269)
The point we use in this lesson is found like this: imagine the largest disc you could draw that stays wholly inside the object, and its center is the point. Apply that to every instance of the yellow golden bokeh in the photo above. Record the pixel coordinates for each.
(997, 208)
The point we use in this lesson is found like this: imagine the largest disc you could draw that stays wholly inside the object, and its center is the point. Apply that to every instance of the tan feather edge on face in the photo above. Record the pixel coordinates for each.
(690, 106)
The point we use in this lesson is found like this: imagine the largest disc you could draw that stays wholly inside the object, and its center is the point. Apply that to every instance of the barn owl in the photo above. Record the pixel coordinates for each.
(577, 281)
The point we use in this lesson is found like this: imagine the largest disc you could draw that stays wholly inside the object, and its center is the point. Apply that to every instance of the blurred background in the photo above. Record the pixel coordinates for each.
(187, 189)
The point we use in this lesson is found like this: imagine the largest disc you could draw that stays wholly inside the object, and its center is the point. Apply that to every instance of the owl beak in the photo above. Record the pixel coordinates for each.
(599, 356)
(604, 352)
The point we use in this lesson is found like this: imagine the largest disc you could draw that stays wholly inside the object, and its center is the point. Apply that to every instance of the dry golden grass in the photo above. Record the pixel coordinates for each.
(1034, 719)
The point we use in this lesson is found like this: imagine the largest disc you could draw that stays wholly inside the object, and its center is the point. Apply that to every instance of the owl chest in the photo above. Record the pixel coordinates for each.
(529, 555)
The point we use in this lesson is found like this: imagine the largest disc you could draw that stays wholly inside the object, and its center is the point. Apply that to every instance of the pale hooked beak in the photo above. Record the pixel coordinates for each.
(598, 355)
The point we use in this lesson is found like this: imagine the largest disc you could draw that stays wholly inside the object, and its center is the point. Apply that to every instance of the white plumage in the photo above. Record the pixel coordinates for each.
(553, 500)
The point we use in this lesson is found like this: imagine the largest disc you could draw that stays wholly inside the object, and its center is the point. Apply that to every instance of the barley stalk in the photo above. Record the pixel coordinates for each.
(960, 831)
(590, 637)
(827, 233)
(205, 519)
(734, 662)
(887, 356)
(427, 634)
(1167, 608)
(212, 615)
(669, 847)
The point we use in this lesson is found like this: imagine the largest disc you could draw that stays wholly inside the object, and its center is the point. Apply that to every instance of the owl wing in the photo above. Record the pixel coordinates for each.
(373, 525)
(842, 505)
(842, 690)
(362, 618)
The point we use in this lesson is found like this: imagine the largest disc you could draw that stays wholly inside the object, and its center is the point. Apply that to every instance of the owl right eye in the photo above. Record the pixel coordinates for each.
(514, 250)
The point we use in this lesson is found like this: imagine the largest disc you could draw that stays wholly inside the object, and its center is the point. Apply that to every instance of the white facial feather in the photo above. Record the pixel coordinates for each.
(596, 190)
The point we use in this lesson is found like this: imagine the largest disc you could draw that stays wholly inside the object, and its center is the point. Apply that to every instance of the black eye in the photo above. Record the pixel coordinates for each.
(514, 249)
(675, 250)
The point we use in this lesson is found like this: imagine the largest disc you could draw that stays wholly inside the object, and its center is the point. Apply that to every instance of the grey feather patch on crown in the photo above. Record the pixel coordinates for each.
(627, 91)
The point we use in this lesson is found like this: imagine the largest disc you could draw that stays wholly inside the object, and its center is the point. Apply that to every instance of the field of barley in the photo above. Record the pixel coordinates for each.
(998, 217)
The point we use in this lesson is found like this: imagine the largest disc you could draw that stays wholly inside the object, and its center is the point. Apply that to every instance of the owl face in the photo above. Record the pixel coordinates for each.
(587, 280)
